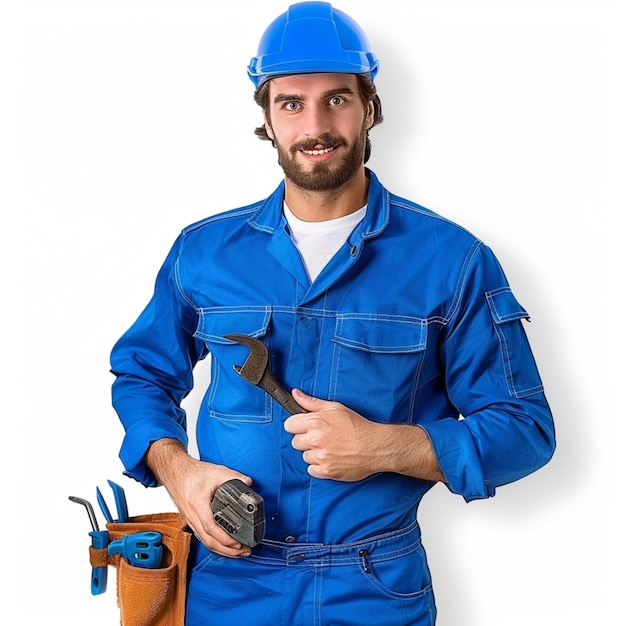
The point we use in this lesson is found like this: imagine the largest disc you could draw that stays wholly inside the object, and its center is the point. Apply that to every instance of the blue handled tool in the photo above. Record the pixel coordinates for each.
(99, 540)
(103, 506)
(120, 503)
(139, 549)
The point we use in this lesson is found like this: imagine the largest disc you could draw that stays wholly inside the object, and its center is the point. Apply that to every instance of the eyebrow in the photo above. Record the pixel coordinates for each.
(338, 91)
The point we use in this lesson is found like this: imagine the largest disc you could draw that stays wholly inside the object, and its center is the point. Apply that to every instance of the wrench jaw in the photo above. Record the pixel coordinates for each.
(256, 371)
(255, 364)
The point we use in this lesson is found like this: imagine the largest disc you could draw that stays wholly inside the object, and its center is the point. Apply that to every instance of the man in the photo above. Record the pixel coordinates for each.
(396, 330)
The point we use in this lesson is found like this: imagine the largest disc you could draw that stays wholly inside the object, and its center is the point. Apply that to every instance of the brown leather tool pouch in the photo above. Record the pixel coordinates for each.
(151, 597)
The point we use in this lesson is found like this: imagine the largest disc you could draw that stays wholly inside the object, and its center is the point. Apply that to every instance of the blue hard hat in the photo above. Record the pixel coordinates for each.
(312, 37)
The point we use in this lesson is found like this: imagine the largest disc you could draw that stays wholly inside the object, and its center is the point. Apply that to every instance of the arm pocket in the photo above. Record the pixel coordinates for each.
(522, 376)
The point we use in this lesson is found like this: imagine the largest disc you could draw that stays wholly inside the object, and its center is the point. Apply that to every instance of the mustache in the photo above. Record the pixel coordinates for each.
(323, 141)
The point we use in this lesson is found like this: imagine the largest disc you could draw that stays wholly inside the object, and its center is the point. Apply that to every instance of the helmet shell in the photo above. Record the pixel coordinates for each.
(312, 37)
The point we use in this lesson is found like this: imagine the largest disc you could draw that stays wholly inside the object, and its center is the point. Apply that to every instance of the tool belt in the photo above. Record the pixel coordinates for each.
(150, 596)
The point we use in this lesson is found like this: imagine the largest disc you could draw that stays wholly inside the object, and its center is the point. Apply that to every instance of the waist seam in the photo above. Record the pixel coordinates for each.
(381, 547)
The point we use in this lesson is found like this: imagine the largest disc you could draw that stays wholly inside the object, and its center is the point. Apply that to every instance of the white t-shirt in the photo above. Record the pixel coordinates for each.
(318, 242)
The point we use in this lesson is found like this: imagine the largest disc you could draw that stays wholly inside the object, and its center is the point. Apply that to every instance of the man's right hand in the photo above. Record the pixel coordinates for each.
(191, 484)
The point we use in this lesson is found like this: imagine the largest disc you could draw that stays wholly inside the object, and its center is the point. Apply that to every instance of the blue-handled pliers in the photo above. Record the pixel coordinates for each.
(120, 503)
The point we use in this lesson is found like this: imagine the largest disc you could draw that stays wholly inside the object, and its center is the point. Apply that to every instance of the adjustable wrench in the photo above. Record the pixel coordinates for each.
(257, 372)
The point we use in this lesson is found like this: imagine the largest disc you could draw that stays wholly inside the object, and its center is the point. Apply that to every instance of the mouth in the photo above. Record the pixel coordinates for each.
(318, 151)
(319, 148)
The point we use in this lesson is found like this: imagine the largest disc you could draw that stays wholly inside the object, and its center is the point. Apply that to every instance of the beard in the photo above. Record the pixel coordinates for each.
(323, 176)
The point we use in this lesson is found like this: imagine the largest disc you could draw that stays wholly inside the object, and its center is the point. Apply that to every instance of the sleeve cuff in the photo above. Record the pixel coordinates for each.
(458, 459)
(137, 441)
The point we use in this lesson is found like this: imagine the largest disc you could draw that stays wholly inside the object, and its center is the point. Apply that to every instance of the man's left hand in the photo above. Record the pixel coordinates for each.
(336, 442)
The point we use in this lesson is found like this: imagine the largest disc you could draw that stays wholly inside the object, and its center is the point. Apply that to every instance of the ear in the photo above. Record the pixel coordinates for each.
(369, 115)
(268, 128)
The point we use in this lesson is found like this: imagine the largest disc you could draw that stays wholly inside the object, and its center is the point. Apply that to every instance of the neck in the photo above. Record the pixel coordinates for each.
(318, 206)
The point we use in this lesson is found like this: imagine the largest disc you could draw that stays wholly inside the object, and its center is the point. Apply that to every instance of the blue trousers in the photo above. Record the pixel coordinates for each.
(382, 580)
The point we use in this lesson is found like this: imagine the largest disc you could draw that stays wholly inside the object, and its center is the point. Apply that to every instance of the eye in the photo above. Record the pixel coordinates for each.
(336, 101)
(292, 105)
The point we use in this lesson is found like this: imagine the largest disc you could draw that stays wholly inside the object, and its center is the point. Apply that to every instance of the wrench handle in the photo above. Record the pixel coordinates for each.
(271, 386)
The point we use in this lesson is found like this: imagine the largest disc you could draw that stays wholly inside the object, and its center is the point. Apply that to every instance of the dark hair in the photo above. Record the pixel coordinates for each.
(367, 91)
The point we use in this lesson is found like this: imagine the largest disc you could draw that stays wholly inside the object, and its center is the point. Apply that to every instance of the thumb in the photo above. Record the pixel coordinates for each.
(246, 480)
(310, 403)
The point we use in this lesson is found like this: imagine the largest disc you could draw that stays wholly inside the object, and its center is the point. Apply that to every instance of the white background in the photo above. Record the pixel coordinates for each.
(123, 121)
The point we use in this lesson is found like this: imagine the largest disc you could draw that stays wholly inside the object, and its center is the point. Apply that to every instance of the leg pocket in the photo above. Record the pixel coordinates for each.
(394, 592)
(405, 577)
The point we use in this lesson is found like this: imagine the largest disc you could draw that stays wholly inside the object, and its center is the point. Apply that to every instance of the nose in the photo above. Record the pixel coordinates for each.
(316, 121)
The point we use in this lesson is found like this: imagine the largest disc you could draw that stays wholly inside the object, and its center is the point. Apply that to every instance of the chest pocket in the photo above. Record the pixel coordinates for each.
(229, 397)
(382, 354)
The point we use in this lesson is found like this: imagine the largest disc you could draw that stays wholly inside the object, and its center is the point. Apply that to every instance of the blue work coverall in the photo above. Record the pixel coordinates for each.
(411, 322)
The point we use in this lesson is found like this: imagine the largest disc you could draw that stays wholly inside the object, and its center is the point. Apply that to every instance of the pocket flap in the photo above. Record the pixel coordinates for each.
(504, 306)
(381, 333)
(216, 322)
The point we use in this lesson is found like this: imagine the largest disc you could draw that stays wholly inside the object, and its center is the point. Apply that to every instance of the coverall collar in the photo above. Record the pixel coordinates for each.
(270, 217)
